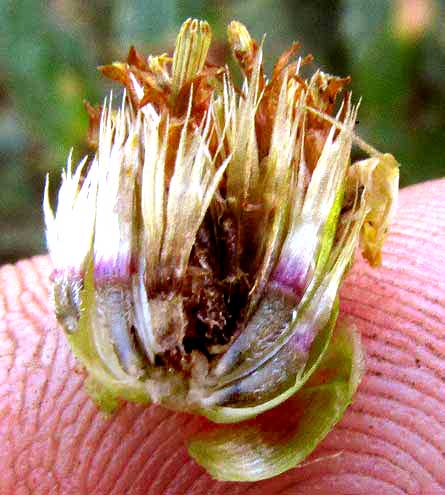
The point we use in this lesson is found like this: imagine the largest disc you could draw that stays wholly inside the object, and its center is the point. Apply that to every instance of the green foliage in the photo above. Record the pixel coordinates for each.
(49, 51)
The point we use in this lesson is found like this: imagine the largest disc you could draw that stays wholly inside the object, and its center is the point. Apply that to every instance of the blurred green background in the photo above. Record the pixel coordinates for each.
(394, 50)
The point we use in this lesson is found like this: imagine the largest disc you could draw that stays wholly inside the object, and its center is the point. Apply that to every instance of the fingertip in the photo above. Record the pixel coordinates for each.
(390, 440)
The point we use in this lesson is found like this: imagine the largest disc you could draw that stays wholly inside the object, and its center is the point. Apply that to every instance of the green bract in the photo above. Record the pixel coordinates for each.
(199, 254)
(280, 439)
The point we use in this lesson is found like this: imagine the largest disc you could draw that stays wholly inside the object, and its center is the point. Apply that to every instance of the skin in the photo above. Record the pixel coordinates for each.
(391, 440)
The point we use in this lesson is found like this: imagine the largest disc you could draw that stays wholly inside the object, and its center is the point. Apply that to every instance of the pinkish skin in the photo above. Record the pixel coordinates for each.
(54, 440)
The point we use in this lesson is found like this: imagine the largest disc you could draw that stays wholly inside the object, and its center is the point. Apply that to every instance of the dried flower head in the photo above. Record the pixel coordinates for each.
(198, 256)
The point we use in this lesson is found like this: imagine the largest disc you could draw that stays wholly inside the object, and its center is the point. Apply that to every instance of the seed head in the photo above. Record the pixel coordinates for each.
(199, 254)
